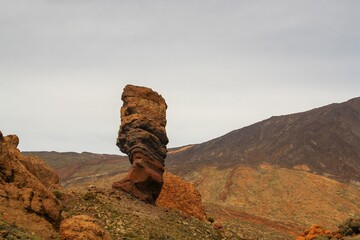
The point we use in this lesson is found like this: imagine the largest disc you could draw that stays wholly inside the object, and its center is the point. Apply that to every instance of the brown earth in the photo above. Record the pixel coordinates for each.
(274, 200)
(82, 227)
(176, 193)
(126, 218)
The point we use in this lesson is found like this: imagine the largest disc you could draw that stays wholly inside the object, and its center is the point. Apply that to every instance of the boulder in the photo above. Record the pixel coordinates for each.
(182, 195)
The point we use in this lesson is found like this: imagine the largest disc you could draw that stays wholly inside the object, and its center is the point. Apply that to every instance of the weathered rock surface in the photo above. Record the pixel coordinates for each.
(142, 137)
(179, 194)
(26, 185)
(317, 231)
(82, 227)
(41, 171)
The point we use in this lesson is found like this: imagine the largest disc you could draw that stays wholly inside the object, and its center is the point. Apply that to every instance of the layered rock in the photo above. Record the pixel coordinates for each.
(142, 137)
(22, 188)
(179, 194)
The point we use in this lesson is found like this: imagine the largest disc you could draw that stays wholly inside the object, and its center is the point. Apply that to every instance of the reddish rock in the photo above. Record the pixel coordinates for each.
(23, 192)
(218, 226)
(178, 194)
(41, 171)
(142, 137)
(82, 227)
(316, 231)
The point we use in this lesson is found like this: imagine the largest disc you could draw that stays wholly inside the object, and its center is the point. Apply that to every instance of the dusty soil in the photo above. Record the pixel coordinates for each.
(125, 217)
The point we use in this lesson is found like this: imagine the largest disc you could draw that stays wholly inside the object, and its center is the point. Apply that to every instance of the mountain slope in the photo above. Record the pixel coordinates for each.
(285, 200)
(326, 140)
(81, 167)
(268, 174)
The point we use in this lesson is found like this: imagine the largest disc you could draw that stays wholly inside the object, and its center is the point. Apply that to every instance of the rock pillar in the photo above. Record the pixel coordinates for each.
(142, 137)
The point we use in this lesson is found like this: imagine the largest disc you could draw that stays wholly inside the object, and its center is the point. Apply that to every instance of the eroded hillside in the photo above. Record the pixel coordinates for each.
(326, 140)
(284, 200)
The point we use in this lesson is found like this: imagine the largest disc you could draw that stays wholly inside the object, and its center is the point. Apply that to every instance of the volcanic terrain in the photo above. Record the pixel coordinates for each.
(269, 180)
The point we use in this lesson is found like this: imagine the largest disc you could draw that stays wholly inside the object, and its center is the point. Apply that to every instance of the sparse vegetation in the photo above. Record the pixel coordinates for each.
(350, 227)
(89, 196)
(11, 231)
(211, 219)
(58, 194)
(126, 218)
(156, 236)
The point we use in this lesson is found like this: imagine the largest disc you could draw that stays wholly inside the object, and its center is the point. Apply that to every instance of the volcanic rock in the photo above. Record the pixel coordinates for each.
(22, 189)
(142, 137)
(316, 231)
(179, 194)
(82, 227)
(41, 171)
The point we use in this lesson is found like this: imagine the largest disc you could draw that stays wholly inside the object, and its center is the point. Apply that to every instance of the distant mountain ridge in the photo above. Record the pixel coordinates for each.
(325, 140)
(75, 167)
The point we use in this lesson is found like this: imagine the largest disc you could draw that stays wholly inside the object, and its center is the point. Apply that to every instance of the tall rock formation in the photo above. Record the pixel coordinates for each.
(142, 137)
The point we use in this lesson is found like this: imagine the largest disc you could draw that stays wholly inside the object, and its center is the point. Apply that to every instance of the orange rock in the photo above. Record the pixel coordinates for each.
(337, 235)
(82, 227)
(142, 137)
(178, 194)
(26, 185)
(300, 238)
(315, 231)
(41, 171)
(218, 226)
(21, 178)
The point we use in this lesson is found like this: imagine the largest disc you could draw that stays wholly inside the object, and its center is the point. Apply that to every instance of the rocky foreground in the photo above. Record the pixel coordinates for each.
(125, 217)
(34, 206)
(26, 191)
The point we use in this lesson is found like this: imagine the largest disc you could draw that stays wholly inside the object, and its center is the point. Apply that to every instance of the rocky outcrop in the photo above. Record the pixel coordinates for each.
(179, 194)
(26, 185)
(82, 227)
(317, 232)
(41, 171)
(142, 137)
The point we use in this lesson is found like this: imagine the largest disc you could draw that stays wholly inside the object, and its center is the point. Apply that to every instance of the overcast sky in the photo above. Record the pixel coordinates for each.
(220, 65)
